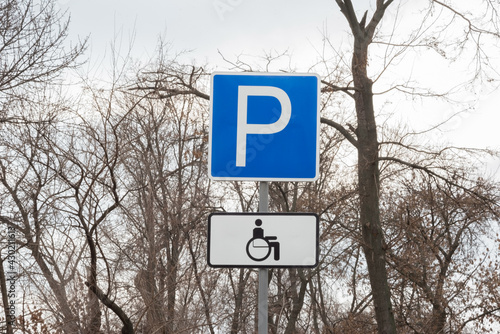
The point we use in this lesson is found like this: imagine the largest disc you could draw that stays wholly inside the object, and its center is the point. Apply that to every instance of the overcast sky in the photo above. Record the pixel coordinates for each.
(204, 26)
(249, 27)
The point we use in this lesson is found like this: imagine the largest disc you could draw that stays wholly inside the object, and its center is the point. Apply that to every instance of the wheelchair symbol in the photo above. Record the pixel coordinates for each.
(259, 246)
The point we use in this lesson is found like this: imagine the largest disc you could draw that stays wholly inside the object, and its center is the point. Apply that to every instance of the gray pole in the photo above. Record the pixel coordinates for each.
(262, 309)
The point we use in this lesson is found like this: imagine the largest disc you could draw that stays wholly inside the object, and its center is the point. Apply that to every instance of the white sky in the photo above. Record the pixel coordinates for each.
(249, 27)
(203, 26)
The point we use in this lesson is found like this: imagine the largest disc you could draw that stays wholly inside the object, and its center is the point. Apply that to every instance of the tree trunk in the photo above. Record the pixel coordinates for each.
(238, 301)
(297, 298)
(3, 287)
(368, 182)
(172, 268)
(128, 326)
(438, 321)
(94, 307)
(146, 285)
(368, 169)
(146, 279)
(70, 321)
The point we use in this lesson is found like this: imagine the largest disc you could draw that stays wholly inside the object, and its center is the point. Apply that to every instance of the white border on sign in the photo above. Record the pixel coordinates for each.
(269, 179)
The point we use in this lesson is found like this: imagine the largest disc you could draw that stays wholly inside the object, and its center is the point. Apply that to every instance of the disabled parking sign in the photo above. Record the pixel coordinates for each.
(264, 127)
(260, 246)
(263, 240)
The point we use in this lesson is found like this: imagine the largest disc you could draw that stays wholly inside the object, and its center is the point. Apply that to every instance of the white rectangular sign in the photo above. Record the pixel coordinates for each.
(263, 240)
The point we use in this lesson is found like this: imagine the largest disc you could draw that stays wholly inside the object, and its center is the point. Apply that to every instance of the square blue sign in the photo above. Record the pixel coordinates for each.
(264, 127)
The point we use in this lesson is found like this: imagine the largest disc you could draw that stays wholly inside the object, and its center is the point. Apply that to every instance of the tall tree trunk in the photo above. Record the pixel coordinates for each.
(368, 169)
(94, 307)
(70, 321)
(5, 300)
(146, 279)
(368, 182)
(438, 320)
(199, 284)
(172, 269)
(297, 298)
(128, 326)
(238, 300)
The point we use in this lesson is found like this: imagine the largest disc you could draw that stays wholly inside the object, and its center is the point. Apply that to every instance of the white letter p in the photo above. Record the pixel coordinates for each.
(243, 128)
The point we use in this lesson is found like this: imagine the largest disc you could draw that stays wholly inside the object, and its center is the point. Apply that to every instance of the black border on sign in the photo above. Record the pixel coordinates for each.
(262, 214)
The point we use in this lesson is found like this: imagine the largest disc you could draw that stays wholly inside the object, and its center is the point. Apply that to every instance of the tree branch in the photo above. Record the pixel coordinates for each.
(472, 27)
(128, 327)
(340, 129)
(377, 17)
(347, 9)
(432, 173)
(334, 88)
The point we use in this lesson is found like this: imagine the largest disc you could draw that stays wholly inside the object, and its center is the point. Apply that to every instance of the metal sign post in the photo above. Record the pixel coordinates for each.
(262, 308)
(264, 127)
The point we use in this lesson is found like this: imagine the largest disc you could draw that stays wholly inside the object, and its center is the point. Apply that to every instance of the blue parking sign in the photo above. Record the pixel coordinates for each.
(264, 127)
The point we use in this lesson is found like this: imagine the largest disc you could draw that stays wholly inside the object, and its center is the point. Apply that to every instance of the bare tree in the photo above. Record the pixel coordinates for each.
(170, 199)
(32, 55)
(364, 135)
(90, 161)
(30, 198)
(32, 49)
(437, 234)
